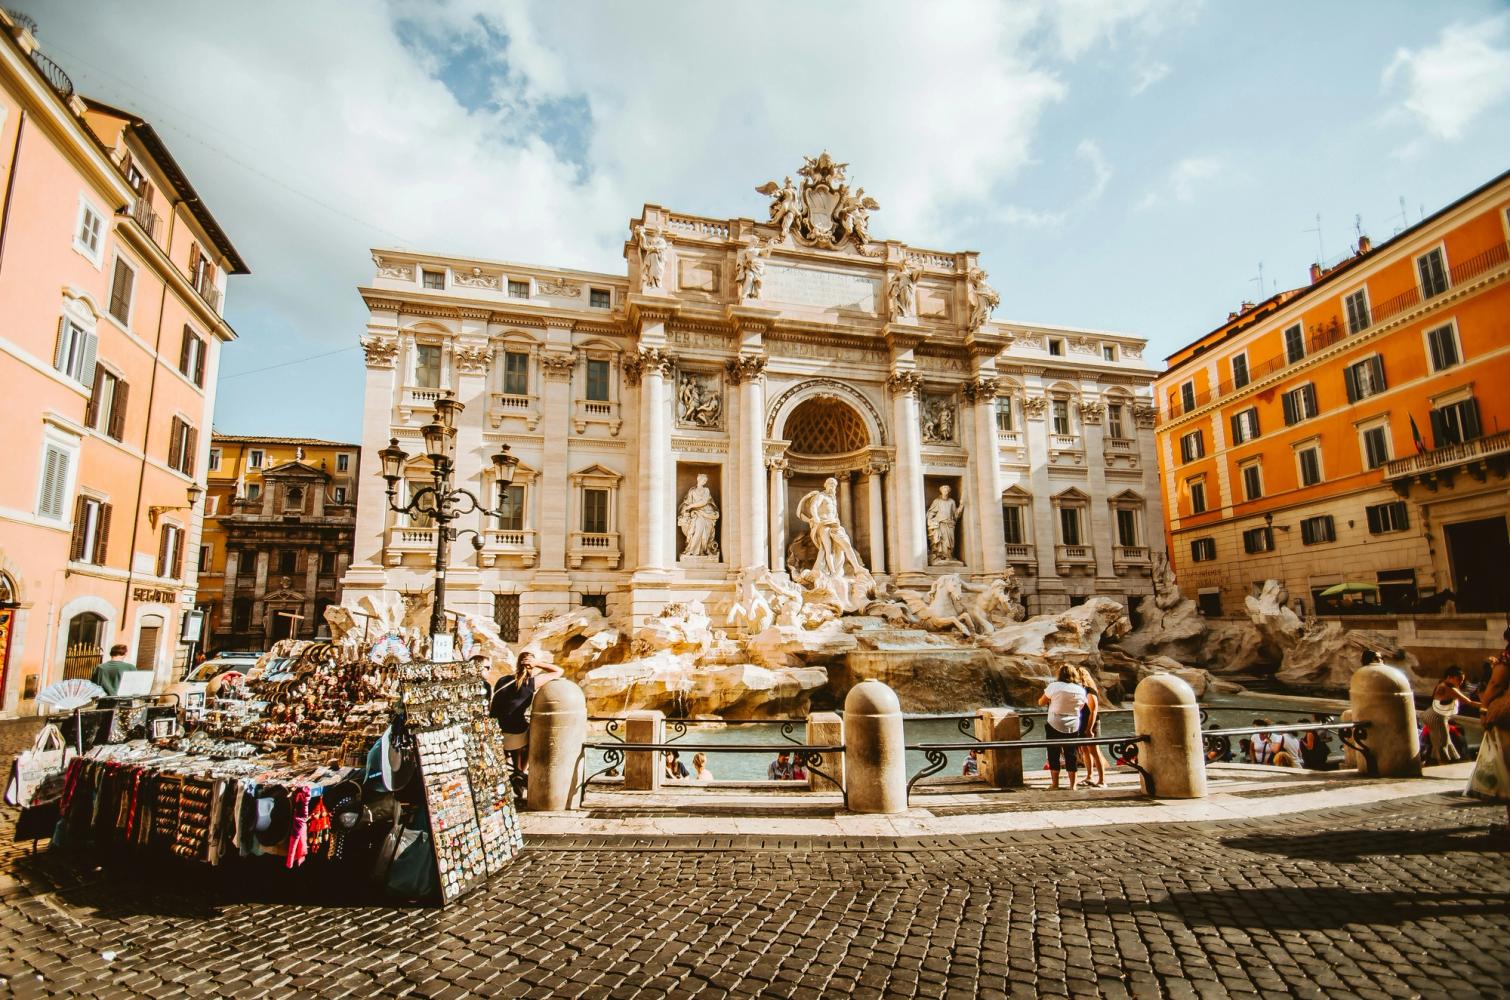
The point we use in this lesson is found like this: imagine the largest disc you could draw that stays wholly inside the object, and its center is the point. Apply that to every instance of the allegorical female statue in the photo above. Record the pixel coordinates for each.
(698, 519)
(943, 517)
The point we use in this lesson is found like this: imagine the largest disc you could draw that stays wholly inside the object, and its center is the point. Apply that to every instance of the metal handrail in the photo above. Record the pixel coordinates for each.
(613, 755)
(1124, 748)
(679, 726)
(1216, 744)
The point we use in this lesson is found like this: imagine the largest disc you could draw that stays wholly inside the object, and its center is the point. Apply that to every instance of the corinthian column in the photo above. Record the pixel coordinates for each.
(653, 368)
(981, 391)
(912, 542)
(778, 514)
(877, 519)
(748, 372)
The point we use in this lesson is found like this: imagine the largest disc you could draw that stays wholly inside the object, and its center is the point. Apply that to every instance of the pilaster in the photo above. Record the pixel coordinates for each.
(912, 540)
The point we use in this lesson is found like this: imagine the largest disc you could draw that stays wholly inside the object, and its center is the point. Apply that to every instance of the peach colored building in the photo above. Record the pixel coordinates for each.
(112, 273)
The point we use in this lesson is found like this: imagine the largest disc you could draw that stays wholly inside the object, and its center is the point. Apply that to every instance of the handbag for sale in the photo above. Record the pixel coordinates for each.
(47, 758)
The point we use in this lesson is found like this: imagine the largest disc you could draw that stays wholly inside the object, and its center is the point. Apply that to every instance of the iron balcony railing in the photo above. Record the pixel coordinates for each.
(1449, 455)
(53, 74)
(145, 217)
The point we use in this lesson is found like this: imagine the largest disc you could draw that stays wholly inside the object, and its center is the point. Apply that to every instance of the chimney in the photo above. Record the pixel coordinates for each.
(1364, 245)
(1231, 317)
(1245, 306)
(1315, 273)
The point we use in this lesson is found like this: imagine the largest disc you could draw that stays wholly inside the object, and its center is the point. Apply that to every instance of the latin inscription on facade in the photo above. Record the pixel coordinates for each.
(817, 287)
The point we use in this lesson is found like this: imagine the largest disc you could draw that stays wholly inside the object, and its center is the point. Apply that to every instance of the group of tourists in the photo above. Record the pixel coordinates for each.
(1074, 703)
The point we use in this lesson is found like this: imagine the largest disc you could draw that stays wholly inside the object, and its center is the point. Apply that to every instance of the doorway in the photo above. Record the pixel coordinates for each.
(147, 639)
(86, 644)
(1479, 551)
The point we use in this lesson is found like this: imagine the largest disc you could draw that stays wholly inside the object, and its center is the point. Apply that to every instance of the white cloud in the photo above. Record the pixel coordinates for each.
(1448, 84)
(1101, 171)
(1079, 25)
(1148, 75)
(1184, 181)
(1030, 218)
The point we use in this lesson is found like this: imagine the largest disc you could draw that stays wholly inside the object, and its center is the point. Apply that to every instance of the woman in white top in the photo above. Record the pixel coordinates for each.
(1446, 700)
(700, 767)
(1065, 698)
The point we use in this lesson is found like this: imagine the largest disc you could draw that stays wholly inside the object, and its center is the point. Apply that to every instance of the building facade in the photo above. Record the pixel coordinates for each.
(112, 277)
(745, 363)
(278, 521)
(1351, 431)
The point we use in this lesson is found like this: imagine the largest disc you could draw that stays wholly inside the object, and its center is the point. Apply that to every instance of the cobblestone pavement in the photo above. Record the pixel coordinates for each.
(1407, 898)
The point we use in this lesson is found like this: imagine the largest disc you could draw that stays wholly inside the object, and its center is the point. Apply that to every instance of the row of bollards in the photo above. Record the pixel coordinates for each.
(873, 766)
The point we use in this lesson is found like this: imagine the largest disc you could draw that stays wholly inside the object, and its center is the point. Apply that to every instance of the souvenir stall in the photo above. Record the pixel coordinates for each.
(315, 758)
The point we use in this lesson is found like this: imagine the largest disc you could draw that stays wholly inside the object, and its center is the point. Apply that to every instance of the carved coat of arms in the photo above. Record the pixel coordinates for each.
(824, 212)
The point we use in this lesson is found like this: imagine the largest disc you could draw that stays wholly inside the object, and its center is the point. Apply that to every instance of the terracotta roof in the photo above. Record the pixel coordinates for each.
(257, 439)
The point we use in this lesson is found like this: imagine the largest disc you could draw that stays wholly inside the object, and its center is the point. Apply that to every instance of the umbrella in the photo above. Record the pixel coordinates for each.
(1350, 588)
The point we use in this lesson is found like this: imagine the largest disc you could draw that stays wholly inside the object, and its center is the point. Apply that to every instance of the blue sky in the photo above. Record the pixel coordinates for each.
(1119, 164)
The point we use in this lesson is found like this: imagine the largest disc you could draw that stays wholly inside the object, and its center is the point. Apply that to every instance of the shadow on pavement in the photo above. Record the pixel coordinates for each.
(1353, 845)
(1305, 909)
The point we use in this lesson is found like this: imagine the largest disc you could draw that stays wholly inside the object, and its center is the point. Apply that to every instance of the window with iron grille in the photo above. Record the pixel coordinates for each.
(597, 601)
(1315, 530)
(506, 616)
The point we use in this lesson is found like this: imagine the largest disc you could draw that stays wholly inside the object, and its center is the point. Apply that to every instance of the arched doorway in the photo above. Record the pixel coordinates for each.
(85, 649)
(827, 436)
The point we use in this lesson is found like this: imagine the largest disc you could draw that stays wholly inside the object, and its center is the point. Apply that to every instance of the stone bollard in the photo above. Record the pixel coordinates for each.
(1165, 710)
(875, 755)
(643, 768)
(1381, 696)
(999, 768)
(826, 729)
(558, 728)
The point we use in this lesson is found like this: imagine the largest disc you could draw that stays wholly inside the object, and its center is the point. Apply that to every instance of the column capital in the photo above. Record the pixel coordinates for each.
(646, 361)
(1091, 410)
(380, 351)
(557, 366)
(907, 382)
(473, 360)
(878, 468)
(982, 388)
(746, 368)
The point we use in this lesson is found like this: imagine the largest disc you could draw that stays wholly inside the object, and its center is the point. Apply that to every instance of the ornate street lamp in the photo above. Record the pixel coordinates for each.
(442, 502)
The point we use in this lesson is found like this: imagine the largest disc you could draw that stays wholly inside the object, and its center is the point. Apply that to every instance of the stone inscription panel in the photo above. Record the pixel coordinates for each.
(816, 287)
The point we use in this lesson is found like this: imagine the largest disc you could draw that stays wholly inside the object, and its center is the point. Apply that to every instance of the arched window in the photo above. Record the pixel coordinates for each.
(7, 589)
(86, 637)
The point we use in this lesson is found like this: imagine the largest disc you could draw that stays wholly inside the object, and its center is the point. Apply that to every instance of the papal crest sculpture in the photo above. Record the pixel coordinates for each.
(824, 212)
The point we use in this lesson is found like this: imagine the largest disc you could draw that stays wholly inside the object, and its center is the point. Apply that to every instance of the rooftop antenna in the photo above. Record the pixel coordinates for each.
(1357, 227)
(1404, 221)
(1320, 250)
(1260, 280)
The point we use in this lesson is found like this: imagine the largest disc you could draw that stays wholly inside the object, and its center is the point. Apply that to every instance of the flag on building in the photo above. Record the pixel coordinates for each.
(1415, 435)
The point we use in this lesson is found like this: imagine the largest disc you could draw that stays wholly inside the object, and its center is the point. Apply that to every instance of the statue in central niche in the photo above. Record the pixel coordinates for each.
(837, 570)
(698, 519)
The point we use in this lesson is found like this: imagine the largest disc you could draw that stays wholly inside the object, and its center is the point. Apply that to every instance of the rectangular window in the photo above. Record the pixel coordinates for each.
(1357, 311)
(1257, 540)
(1310, 466)
(1456, 423)
(1376, 446)
(121, 285)
(600, 298)
(516, 373)
(1364, 378)
(254, 458)
(1108, 352)
(1239, 371)
(519, 289)
(1295, 343)
(1127, 527)
(181, 440)
(89, 235)
(1187, 396)
(327, 564)
(55, 466)
(512, 508)
(1011, 524)
(1245, 425)
(427, 366)
(1433, 272)
(340, 494)
(1056, 347)
(1202, 549)
(106, 411)
(1069, 525)
(206, 558)
(595, 511)
(191, 357)
(597, 380)
(1197, 496)
(1004, 414)
(1315, 530)
(75, 352)
(343, 462)
(1253, 481)
(1193, 446)
(1299, 404)
(1114, 425)
(170, 552)
(1442, 344)
(506, 616)
(253, 490)
(214, 463)
(1061, 416)
(1386, 517)
(288, 561)
(433, 279)
(91, 529)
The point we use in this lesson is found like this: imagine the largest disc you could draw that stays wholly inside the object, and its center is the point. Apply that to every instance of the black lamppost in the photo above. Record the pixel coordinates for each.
(442, 502)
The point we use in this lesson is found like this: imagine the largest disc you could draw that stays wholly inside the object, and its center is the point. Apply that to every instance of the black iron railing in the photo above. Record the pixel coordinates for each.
(53, 74)
(810, 757)
(613, 726)
(1217, 743)
(1123, 748)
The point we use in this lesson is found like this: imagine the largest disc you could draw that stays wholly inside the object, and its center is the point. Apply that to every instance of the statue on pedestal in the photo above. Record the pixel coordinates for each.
(698, 519)
(837, 571)
(943, 518)
(652, 246)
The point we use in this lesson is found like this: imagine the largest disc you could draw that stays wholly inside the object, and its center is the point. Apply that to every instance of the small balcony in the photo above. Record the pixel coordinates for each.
(510, 544)
(404, 540)
(205, 286)
(1441, 465)
(506, 405)
(1020, 555)
(583, 545)
(1126, 557)
(596, 411)
(145, 217)
(1068, 558)
(418, 399)
(1127, 445)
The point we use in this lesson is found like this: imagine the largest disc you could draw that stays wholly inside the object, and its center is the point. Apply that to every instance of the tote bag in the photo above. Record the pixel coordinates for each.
(48, 757)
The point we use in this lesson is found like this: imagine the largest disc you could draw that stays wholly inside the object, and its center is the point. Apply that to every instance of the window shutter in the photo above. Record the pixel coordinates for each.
(118, 411)
(1252, 423)
(1441, 434)
(199, 364)
(1374, 525)
(194, 261)
(1350, 377)
(191, 436)
(86, 369)
(1471, 426)
(1310, 396)
(92, 410)
(162, 552)
(183, 352)
(1237, 428)
(101, 535)
(80, 520)
(1288, 399)
(60, 352)
(178, 555)
(1376, 365)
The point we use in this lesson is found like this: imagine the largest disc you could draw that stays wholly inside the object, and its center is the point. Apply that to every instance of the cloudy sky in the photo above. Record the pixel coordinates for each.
(1120, 164)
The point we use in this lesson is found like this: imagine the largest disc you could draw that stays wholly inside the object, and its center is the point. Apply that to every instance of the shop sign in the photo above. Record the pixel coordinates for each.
(154, 595)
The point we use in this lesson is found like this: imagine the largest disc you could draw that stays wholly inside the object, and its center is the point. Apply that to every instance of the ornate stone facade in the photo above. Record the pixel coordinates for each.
(754, 361)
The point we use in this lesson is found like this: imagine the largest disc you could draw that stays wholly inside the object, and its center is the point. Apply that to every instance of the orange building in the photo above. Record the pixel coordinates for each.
(112, 272)
(1354, 431)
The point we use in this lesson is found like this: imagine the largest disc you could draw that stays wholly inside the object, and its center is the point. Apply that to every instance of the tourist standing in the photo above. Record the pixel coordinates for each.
(510, 701)
(700, 767)
(1491, 774)
(108, 674)
(780, 769)
(1446, 699)
(1090, 728)
(1065, 697)
(674, 766)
